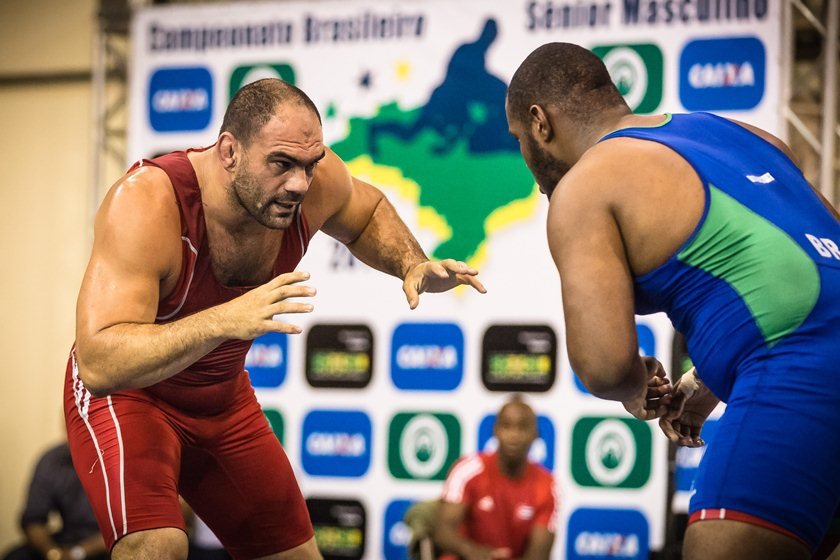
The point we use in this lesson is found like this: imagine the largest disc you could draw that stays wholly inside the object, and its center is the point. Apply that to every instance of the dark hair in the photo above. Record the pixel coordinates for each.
(565, 76)
(255, 104)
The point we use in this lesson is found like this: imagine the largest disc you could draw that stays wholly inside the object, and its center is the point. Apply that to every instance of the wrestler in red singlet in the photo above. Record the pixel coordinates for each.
(193, 257)
(137, 455)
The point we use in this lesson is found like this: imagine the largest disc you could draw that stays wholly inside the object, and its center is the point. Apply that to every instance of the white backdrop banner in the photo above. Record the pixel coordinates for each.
(374, 402)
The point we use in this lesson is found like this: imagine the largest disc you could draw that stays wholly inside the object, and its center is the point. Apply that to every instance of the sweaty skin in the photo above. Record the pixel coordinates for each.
(136, 257)
(250, 194)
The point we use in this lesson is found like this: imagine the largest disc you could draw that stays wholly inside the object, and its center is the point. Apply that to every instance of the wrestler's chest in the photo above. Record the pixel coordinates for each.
(243, 262)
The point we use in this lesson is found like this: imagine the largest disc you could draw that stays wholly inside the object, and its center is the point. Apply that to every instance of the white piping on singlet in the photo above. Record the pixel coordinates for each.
(122, 464)
(299, 219)
(189, 281)
(82, 405)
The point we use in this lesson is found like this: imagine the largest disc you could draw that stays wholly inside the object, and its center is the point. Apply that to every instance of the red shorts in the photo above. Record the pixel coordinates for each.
(135, 454)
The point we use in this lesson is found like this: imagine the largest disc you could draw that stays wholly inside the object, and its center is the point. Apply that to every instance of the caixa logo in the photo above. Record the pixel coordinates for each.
(427, 356)
(607, 533)
(266, 360)
(397, 535)
(336, 443)
(180, 99)
(722, 74)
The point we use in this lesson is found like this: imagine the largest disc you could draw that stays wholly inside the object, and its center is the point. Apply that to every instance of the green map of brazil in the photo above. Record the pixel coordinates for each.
(453, 156)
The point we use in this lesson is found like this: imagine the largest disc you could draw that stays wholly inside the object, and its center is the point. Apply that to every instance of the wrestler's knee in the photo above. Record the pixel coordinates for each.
(306, 551)
(167, 543)
(724, 540)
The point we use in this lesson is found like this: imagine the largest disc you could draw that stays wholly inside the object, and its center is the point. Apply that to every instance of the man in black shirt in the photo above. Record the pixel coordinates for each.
(55, 487)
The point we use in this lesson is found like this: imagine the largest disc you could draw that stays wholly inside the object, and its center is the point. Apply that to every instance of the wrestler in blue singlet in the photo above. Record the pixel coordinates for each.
(756, 292)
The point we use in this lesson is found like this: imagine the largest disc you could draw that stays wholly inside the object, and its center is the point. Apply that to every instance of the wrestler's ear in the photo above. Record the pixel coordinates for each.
(228, 151)
(540, 124)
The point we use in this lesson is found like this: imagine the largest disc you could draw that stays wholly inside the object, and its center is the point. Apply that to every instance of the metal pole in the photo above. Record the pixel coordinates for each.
(829, 120)
(787, 48)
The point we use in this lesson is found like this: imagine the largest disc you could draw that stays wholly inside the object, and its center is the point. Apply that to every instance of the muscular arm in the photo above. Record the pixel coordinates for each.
(358, 215)
(597, 287)
(384, 243)
(446, 535)
(39, 538)
(540, 542)
(137, 247)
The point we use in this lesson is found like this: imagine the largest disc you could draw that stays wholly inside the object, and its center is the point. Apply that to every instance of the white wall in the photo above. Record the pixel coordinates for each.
(45, 154)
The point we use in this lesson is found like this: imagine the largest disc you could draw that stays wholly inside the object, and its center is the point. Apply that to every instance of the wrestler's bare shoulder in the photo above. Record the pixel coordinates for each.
(622, 165)
(148, 188)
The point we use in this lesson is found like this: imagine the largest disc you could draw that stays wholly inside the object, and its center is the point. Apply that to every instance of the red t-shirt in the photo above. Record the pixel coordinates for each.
(501, 512)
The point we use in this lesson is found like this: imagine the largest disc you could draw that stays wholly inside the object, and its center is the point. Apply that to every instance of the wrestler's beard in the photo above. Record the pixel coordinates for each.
(247, 192)
(547, 171)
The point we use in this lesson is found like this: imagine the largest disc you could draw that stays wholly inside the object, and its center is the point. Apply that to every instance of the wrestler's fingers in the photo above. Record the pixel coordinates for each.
(411, 294)
(292, 291)
(676, 405)
(655, 409)
(661, 390)
(273, 325)
(283, 307)
(439, 269)
(458, 267)
(288, 278)
(667, 428)
(695, 436)
(687, 439)
(472, 281)
(656, 403)
(657, 381)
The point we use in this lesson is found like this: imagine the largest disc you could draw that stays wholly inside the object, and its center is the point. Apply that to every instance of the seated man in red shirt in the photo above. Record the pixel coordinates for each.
(500, 504)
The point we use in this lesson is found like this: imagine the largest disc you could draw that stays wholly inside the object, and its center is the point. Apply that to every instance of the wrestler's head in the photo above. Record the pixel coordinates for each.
(272, 140)
(557, 97)
(515, 429)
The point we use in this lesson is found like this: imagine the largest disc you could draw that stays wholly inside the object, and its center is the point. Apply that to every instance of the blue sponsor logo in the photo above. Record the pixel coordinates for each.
(180, 99)
(722, 74)
(336, 443)
(647, 347)
(542, 450)
(687, 459)
(427, 356)
(607, 533)
(397, 534)
(266, 360)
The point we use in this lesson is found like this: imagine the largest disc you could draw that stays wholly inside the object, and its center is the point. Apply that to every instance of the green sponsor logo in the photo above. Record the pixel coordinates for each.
(636, 71)
(611, 452)
(422, 446)
(244, 75)
(275, 420)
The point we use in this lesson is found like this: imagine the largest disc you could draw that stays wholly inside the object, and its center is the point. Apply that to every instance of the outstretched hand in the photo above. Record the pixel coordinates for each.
(265, 308)
(438, 276)
(655, 401)
(691, 404)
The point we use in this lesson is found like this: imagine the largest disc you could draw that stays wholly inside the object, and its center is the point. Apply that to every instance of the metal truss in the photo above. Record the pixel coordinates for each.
(109, 81)
(810, 31)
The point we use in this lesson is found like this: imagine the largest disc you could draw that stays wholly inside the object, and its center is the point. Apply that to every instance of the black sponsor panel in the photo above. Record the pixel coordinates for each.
(339, 356)
(519, 358)
(340, 527)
